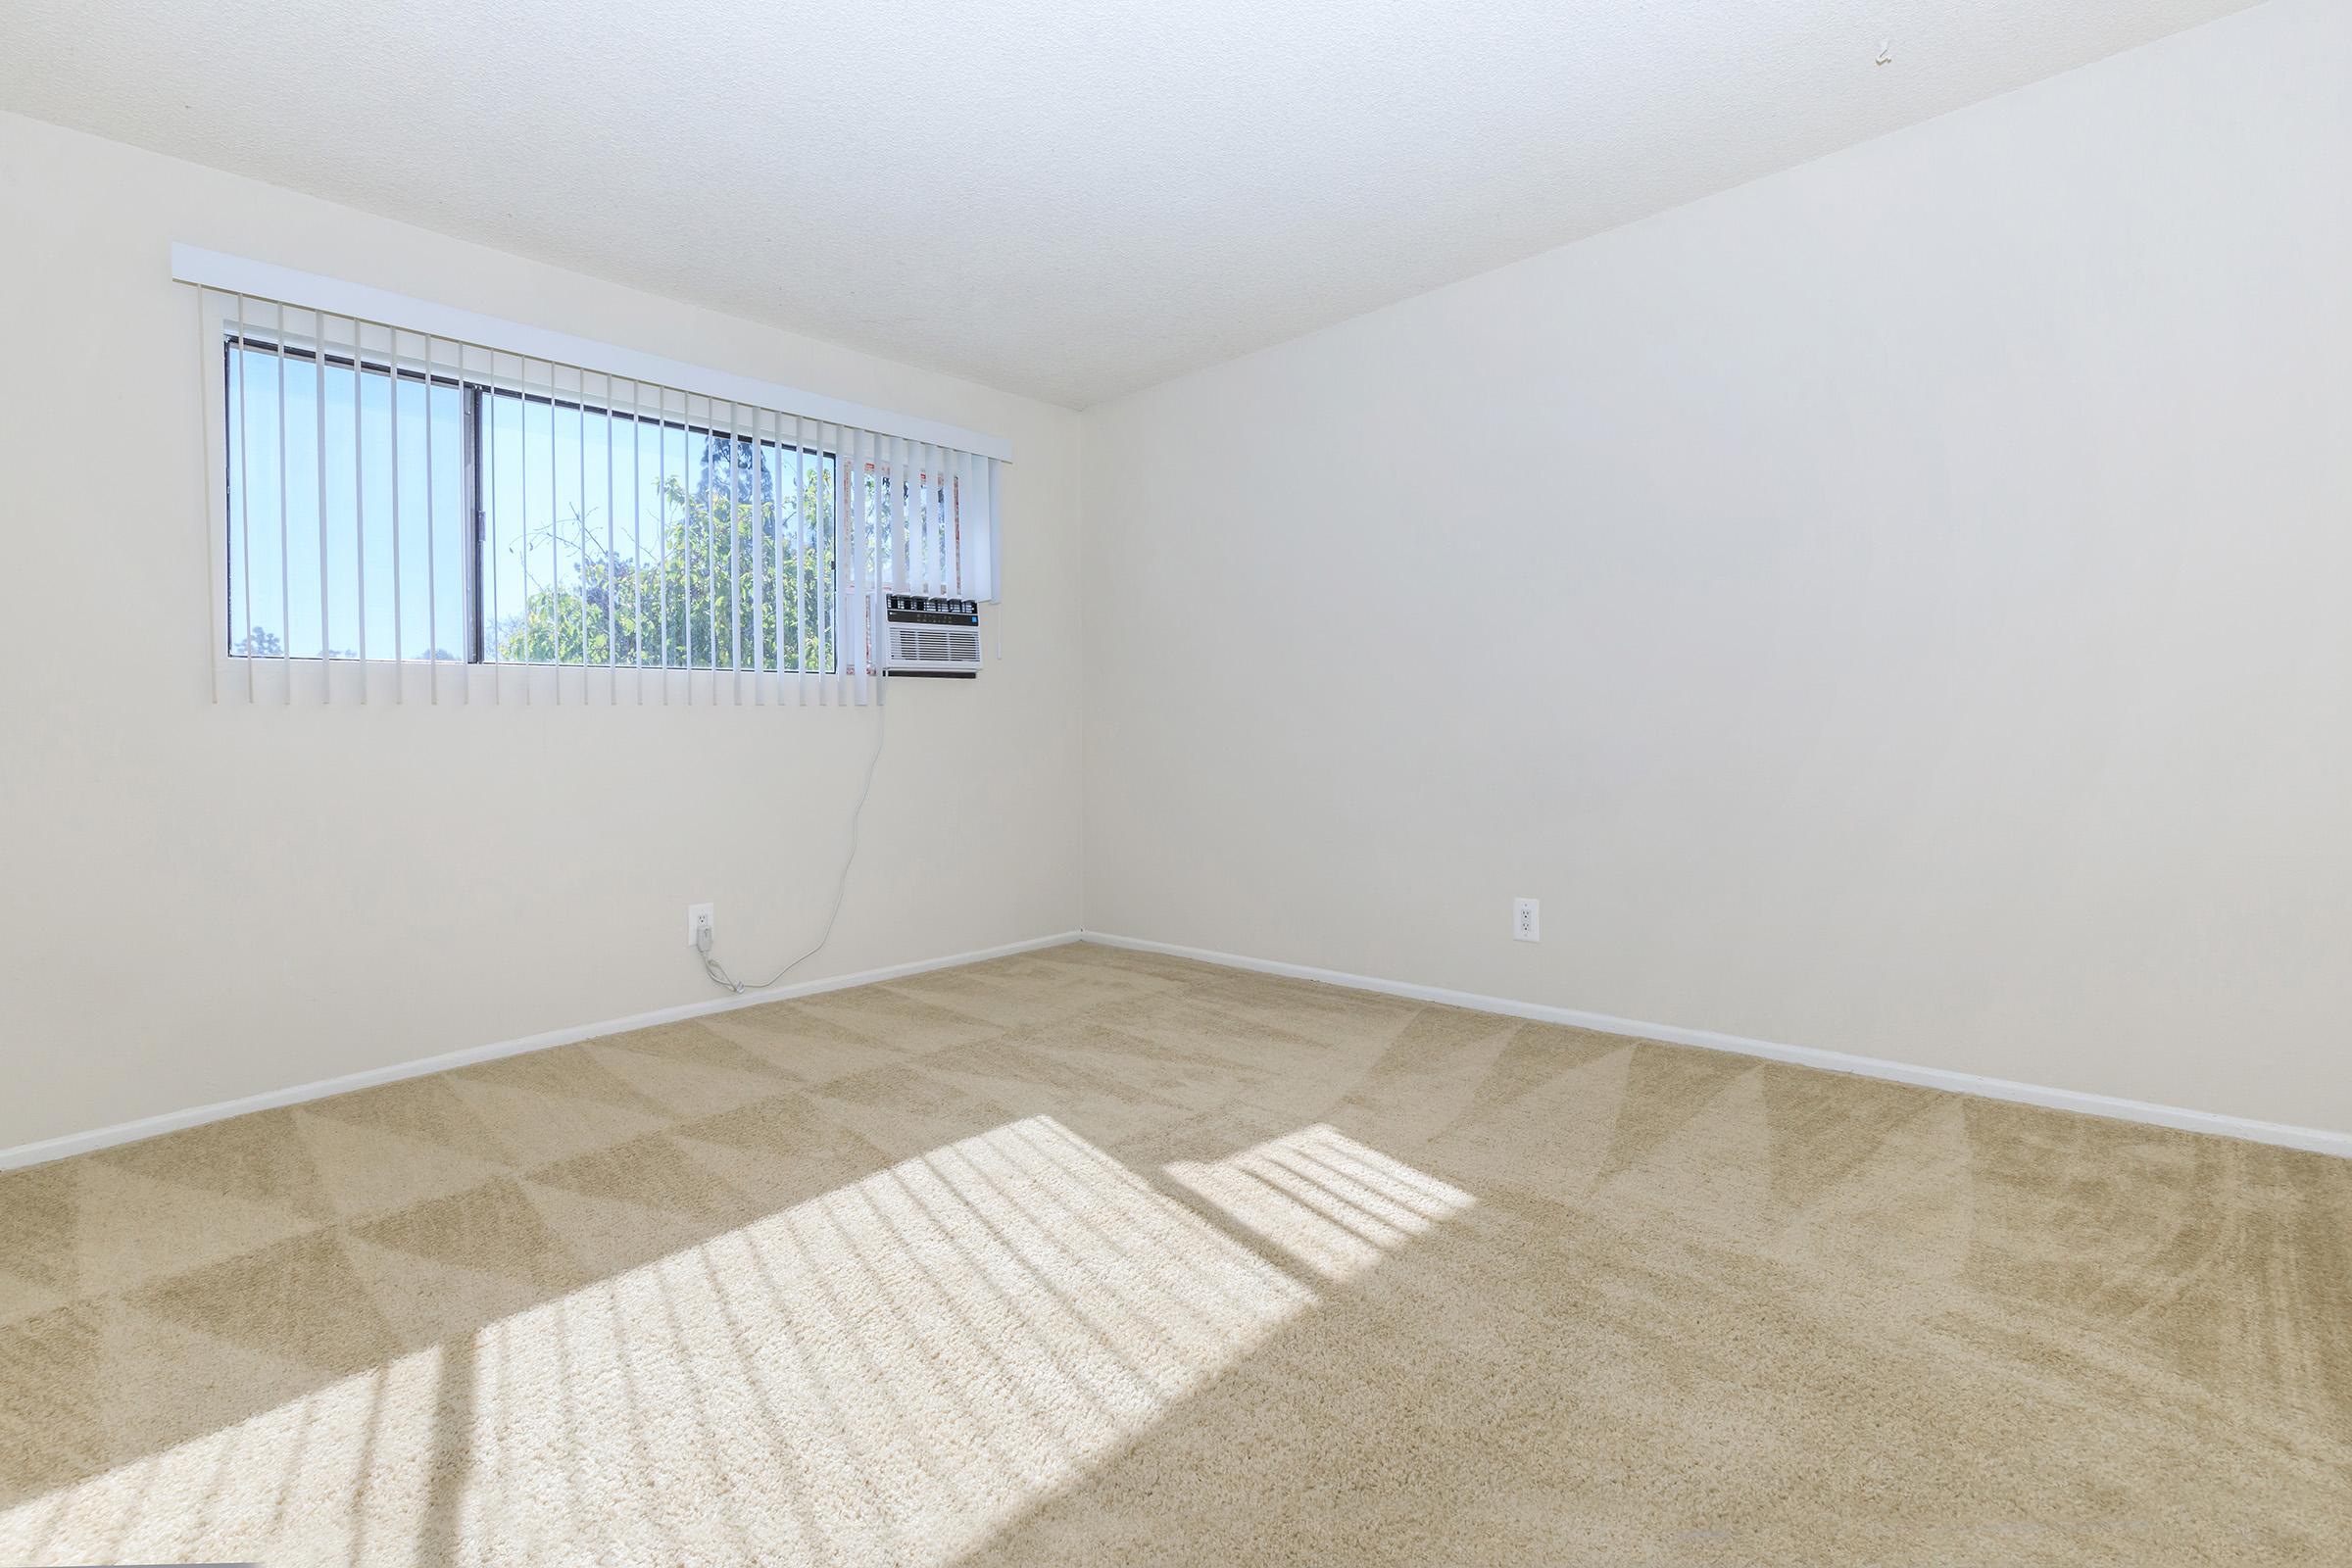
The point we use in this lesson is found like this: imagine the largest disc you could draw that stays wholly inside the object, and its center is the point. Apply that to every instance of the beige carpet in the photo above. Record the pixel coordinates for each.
(1087, 1257)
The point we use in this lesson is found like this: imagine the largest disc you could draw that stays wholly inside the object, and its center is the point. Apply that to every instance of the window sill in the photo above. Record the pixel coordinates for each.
(343, 682)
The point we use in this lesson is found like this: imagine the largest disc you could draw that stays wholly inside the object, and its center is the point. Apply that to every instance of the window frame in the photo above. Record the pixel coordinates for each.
(267, 332)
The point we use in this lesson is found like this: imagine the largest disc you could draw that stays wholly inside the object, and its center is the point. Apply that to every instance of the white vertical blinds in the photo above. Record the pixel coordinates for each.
(491, 523)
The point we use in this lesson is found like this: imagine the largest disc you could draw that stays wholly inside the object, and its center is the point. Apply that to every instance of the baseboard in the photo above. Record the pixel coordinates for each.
(172, 1121)
(2313, 1138)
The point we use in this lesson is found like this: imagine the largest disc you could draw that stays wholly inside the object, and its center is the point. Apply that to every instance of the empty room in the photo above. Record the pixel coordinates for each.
(1393, 784)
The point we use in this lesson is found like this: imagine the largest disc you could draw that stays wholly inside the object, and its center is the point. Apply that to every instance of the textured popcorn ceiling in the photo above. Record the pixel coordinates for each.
(1061, 199)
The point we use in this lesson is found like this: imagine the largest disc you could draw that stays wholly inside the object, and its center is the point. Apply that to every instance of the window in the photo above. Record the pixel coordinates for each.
(527, 527)
(317, 512)
(611, 536)
(413, 496)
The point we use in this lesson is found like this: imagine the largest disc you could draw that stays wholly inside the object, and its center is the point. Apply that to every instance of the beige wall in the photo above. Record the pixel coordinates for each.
(1898, 607)
(204, 903)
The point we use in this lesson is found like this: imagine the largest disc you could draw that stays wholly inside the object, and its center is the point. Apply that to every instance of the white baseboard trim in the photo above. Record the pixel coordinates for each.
(172, 1121)
(2314, 1139)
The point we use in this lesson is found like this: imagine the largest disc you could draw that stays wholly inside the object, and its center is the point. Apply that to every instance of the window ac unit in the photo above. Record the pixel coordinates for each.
(928, 636)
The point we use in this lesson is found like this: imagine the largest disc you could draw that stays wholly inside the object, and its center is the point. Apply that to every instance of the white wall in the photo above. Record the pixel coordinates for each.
(1898, 607)
(204, 902)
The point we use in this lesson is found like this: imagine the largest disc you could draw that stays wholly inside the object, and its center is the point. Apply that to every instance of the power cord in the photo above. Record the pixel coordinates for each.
(841, 887)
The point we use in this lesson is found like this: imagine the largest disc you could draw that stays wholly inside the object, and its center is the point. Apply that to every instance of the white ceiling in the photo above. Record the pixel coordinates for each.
(1064, 198)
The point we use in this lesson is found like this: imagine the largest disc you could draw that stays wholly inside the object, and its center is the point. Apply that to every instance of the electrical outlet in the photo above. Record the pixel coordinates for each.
(699, 920)
(1526, 919)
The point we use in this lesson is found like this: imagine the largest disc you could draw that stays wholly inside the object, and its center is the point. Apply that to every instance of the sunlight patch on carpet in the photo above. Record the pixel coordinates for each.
(1326, 1199)
(889, 1371)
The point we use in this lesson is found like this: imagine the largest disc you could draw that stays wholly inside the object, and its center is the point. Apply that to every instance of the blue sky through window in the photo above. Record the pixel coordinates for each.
(274, 578)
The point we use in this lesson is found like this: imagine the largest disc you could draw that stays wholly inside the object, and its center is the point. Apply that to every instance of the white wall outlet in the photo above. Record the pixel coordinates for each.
(1526, 919)
(699, 920)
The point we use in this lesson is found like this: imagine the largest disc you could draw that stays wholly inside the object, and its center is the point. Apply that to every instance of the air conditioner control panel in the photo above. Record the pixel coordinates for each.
(919, 610)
